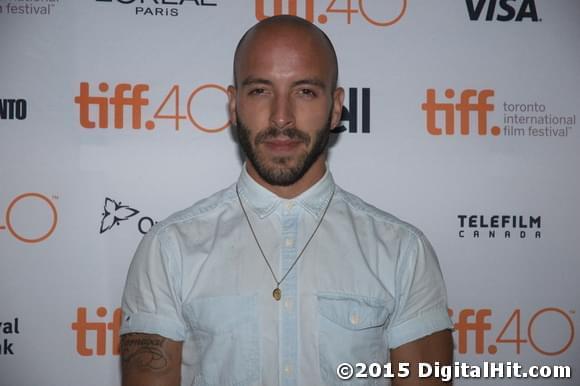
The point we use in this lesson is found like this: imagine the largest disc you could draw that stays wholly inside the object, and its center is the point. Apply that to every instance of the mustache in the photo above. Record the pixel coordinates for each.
(289, 132)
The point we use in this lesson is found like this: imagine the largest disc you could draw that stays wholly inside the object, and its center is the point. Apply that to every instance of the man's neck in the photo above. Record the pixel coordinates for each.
(311, 177)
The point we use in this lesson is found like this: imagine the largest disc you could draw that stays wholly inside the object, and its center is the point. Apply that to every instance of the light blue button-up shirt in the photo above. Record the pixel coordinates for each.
(366, 283)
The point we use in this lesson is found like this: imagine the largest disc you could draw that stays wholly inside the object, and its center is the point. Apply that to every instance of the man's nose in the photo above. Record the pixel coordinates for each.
(282, 113)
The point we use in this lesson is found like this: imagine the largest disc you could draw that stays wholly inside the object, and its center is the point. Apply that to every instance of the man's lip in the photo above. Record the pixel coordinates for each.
(284, 144)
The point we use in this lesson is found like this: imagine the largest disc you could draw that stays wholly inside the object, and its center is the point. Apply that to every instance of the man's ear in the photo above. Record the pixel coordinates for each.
(337, 101)
(232, 112)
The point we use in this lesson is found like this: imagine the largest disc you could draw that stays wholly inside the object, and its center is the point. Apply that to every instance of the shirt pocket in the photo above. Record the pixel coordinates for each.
(351, 329)
(225, 336)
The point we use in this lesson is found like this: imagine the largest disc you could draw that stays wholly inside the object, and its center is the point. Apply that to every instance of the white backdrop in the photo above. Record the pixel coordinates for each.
(75, 200)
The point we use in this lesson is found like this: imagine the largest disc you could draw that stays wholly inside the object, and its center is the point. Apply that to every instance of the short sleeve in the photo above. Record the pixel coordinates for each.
(421, 297)
(151, 299)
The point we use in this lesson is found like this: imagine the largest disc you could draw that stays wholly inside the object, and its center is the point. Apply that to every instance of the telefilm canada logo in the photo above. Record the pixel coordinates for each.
(125, 105)
(115, 212)
(28, 7)
(161, 7)
(502, 10)
(472, 112)
(498, 226)
(13, 109)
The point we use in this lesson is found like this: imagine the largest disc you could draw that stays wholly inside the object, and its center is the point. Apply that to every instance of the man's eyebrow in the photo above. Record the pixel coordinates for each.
(310, 82)
(252, 81)
(249, 81)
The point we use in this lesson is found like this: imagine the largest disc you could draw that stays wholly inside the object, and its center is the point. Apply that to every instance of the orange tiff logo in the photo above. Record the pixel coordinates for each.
(119, 101)
(95, 106)
(379, 14)
(478, 333)
(470, 101)
(92, 336)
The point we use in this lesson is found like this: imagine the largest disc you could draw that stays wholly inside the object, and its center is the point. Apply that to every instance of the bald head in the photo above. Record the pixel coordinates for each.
(281, 27)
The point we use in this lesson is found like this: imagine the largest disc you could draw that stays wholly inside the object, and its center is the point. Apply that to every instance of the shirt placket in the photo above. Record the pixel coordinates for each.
(287, 308)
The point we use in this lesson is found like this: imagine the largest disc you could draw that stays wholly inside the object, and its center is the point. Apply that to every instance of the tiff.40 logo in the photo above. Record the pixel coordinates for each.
(470, 102)
(95, 109)
(377, 13)
(132, 97)
(517, 330)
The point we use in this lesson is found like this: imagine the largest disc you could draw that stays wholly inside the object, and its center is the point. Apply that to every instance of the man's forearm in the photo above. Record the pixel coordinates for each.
(150, 360)
(437, 347)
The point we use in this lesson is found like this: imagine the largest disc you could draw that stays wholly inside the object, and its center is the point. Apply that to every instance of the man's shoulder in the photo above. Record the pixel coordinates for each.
(207, 207)
(360, 207)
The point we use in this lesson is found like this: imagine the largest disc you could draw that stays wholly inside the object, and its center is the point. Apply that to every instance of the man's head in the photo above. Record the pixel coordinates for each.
(288, 21)
(285, 101)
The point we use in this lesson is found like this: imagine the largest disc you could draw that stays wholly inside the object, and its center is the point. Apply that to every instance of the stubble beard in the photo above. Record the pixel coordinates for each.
(283, 171)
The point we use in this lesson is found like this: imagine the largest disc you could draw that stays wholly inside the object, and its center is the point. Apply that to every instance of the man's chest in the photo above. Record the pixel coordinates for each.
(334, 306)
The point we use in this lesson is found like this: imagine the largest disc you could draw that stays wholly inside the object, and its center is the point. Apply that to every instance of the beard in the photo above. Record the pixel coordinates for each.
(282, 171)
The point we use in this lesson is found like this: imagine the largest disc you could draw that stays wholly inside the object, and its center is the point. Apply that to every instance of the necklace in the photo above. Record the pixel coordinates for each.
(277, 293)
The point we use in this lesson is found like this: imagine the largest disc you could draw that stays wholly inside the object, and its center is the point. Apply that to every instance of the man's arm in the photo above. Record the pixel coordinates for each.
(150, 360)
(437, 347)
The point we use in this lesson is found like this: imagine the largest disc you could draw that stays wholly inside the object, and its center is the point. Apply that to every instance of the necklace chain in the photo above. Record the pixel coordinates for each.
(278, 282)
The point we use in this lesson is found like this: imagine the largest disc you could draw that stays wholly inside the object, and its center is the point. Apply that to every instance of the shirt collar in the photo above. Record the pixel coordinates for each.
(264, 202)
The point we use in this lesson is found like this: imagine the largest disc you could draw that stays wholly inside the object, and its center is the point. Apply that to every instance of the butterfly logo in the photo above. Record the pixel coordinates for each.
(114, 213)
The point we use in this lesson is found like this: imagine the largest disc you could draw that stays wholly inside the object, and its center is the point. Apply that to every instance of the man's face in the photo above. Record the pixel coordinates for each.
(283, 104)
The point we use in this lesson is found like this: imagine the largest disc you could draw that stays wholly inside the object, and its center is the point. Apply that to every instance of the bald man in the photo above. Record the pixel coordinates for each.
(281, 277)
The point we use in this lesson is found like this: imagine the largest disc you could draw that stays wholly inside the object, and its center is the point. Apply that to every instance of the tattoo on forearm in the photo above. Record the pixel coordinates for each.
(145, 353)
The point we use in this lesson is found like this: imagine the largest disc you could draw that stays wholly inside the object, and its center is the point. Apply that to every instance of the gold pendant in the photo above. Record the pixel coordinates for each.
(277, 293)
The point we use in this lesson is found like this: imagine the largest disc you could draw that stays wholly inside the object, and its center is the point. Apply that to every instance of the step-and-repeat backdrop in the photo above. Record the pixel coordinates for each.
(461, 117)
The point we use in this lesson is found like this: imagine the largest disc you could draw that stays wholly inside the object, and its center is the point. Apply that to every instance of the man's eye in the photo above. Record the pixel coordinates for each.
(307, 92)
(257, 91)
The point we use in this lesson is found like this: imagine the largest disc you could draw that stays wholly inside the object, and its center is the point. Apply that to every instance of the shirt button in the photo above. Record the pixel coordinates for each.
(289, 242)
(288, 370)
(289, 205)
(354, 319)
(289, 304)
